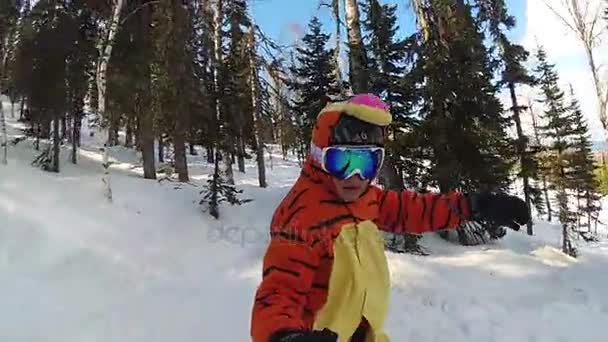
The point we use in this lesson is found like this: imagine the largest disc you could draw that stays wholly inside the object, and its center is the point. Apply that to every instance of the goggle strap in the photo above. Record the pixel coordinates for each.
(317, 153)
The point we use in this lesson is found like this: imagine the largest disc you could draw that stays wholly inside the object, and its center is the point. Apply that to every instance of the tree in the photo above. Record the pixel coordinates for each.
(357, 54)
(9, 12)
(540, 204)
(335, 10)
(52, 54)
(463, 120)
(173, 76)
(236, 94)
(582, 160)
(254, 84)
(105, 46)
(312, 79)
(558, 130)
(512, 58)
(582, 19)
(391, 75)
(142, 90)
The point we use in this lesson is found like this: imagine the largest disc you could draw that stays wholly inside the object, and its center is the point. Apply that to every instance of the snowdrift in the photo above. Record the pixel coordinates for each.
(151, 266)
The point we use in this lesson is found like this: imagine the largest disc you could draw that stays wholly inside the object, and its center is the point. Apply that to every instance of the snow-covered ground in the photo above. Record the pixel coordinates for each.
(151, 266)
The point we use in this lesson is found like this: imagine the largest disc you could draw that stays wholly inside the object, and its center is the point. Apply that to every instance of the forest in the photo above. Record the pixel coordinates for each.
(165, 76)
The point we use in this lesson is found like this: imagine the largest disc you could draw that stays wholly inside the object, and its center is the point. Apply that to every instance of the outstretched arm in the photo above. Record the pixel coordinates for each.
(418, 213)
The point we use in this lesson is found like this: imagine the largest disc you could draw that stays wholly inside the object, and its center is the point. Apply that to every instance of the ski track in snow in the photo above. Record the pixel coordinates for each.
(151, 266)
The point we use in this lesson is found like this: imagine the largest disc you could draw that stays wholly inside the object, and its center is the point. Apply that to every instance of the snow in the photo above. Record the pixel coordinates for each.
(152, 266)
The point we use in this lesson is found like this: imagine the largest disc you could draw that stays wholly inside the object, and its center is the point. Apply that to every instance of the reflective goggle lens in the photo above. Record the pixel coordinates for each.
(344, 162)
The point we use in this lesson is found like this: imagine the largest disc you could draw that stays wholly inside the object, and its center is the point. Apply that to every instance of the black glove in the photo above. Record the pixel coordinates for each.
(324, 335)
(500, 209)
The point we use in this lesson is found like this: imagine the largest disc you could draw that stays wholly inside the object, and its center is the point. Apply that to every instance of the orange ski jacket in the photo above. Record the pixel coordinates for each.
(325, 265)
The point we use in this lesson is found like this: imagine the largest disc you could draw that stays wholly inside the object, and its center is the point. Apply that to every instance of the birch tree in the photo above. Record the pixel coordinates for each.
(583, 18)
(358, 64)
(105, 46)
(335, 8)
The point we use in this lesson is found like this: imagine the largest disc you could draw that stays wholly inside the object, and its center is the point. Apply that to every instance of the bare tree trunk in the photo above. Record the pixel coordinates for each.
(179, 147)
(56, 140)
(105, 46)
(240, 142)
(546, 194)
(358, 64)
(589, 212)
(129, 133)
(180, 128)
(4, 141)
(210, 155)
(147, 146)
(217, 62)
(12, 108)
(76, 124)
(107, 183)
(335, 4)
(46, 129)
(566, 241)
(192, 148)
(146, 116)
(64, 126)
(542, 175)
(137, 134)
(38, 133)
(161, 149)
(113, 130)
(578, 216)
(254, 78)
(587, 27)
(68, 127)
(280, 109)
(22, 108)
(181, 163)
(521, 150)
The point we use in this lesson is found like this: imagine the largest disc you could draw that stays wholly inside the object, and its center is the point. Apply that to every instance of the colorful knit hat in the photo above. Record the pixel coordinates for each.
(361, 113)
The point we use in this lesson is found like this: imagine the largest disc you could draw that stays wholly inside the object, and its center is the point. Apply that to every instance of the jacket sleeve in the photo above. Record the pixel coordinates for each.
(289, 267)
(418, 213)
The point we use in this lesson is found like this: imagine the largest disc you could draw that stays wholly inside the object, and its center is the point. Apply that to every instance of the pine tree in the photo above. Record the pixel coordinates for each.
(237, 91)
(462, 118)
(543, 206)
(53, 57)
(390, 76)
(559, 132)
(257, 105)
(584, 184)
(312, 79)
(173, 77)
(9, 12)
(512, 58)
(130, 84)
(81, 56)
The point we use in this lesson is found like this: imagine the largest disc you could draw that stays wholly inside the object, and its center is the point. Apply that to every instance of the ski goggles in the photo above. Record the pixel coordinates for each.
(344, 162)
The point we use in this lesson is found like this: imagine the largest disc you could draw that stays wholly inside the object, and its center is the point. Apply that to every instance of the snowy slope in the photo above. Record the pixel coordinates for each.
(152, 267)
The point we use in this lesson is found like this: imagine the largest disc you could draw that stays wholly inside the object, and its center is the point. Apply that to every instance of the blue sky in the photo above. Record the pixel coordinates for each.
(277, 17)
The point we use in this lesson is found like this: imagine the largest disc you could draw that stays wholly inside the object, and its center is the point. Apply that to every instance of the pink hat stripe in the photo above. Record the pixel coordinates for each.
(369, 100)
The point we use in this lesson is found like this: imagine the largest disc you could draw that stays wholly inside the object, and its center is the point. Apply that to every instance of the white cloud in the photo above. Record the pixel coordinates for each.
(567, 53)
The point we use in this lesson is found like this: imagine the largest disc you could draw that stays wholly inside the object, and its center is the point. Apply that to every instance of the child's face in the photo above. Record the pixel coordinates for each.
(350, 189)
